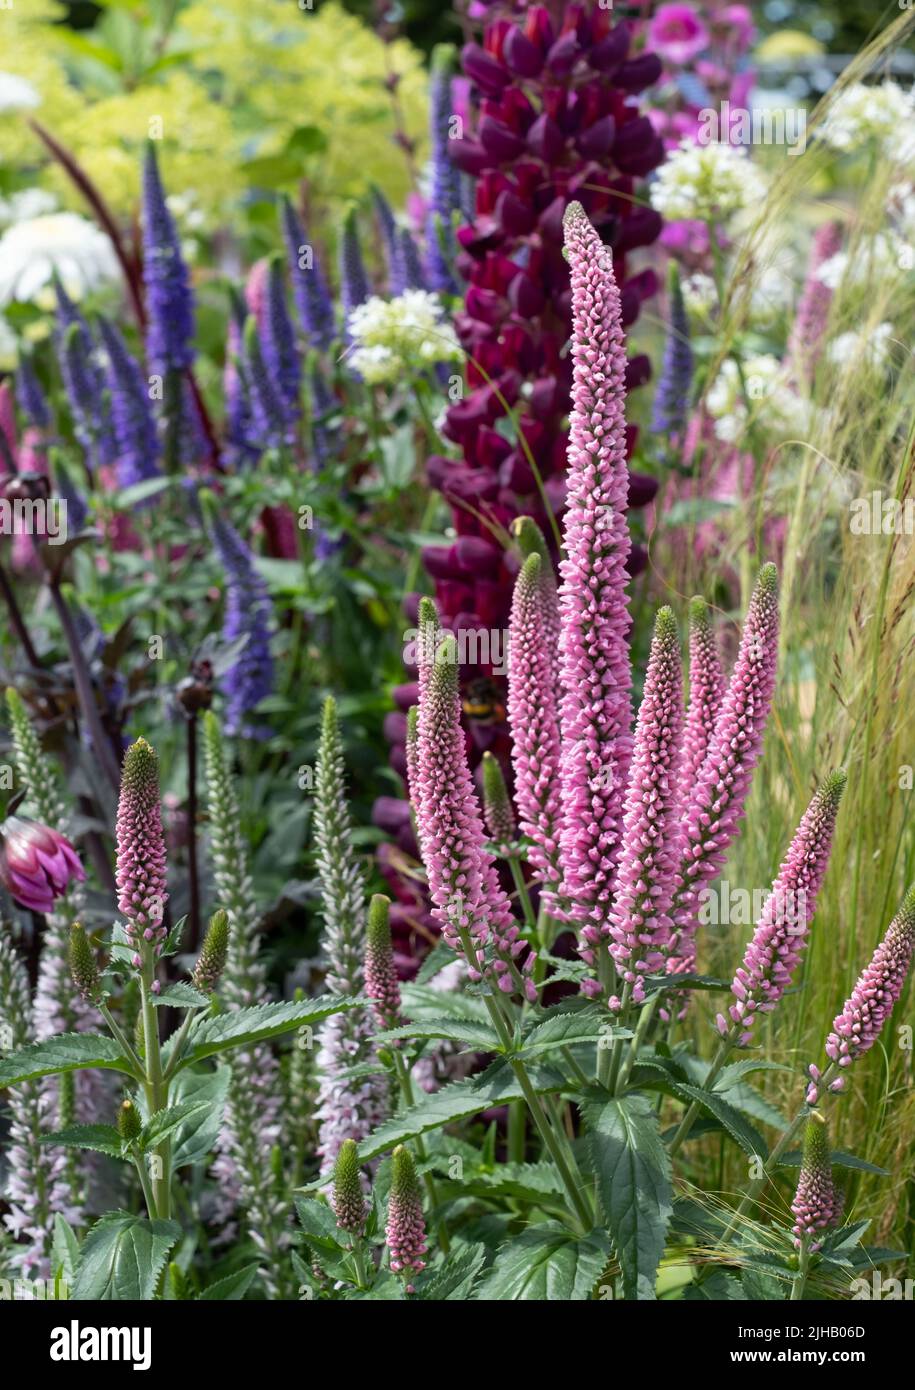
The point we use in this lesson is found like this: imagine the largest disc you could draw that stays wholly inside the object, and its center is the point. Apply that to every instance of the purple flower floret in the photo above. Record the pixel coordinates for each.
(817, 1205)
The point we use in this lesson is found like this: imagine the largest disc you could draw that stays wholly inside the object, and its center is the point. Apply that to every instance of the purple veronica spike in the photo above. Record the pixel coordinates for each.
(817, 1205)
(248, 615)
(405, 1231)
(271, 427)
(281, 355)
(390, 237)
(169, 302)
(533, 715)
(716, 806)
(84, 382)
(671, 401)
(410, 266)
(243, 451)
(857, 1027)
(445, 192)
(30, 395)
(354, 285)
(596, 709)
(781, 933)
(706, 691)
(649, 853)
(131, 412)
(309, 288)
(463, 882)
(141, 856)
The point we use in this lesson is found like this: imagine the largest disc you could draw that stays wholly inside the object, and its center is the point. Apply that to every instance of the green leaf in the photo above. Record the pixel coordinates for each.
(307, 139)
(495, 1086)
(196, 1137)
(165, 1122)
(453, 1281)
(181, 996)
(319, 1224)
(584, 1025)
(65, 1250)
(526, 1182)
(478, 1037)
(421, 1001)
(122, 1257)
(68, 1052)
(103, 1139)
(745, 1067)
(839, 1159)
(243, 1027)
(739, 1128)
(653, 983)
(716, 1287)
(232, 1288)
(546, 1262)
(633, 1179)
(127, 498)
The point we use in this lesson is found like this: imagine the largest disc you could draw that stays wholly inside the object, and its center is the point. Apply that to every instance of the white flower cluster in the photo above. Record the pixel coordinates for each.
(17, 93)
(869, 347)
(773, 403)
(883, 113)
(875, 259)
(31, 251)
(397, 338)
(706, 182)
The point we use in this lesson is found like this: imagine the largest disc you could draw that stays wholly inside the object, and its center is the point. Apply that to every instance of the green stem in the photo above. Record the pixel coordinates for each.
(142, 1174)
(644, 1023)
(359, 1261)
(517, 1139)
(178, 1044)
(800, 1279)
(155, 1085)
(689, 1119)
(524, 899)
(121, 1039)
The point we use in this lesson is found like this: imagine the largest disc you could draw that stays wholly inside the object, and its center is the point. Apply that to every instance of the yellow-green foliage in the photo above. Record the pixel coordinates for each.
(232, 82)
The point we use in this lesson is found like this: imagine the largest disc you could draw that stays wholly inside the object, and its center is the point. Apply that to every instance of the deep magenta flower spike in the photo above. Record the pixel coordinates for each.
(781, 933)
(350, 1206)
(381, 983)
(716, 806)
(37, 864)
(140, 872)
(649, 853)
(706, 691)
(533, 714)
(817, 1205)
(857, 1027)
(594, 652)
(405, 1231)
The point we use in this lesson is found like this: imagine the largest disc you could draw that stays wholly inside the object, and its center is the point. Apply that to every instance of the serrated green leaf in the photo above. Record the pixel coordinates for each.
(736, 1071)
(717, 1287)
(839, 1159)
(181, 996)
(476, 1036)
(454, 1280)
(68, 1052)
(103, 1139)
(546, 1262)
(196, 1136)
(243, 1027)
(232, 1288)
(165, 1122)
(122, 1258)
(739, 1128)
(421, 1001)
(584, 1025)
(634, 1182)
(65, 1250)
(319, 1225)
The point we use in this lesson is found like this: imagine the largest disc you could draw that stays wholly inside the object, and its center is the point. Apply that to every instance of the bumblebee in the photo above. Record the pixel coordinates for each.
(482, 701)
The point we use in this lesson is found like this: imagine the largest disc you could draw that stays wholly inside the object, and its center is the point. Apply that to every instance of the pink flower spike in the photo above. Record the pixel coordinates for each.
(805, 345)
(781, 933)
(594, 653)
(405, 1231)
(649, 856)
(141, 847)
(817, 1205)
(706, 692)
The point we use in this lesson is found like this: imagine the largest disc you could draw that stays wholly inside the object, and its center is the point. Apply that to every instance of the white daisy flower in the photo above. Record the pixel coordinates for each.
(31, 252)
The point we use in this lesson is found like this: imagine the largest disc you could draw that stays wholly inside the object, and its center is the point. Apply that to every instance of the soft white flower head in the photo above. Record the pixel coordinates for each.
(699, 293)
(773, 405)
(884, 113)
(706, 182)
(868, 346)
(875, 259)
(393, 338)
(28, 202)
(31, 252)
(17, 93)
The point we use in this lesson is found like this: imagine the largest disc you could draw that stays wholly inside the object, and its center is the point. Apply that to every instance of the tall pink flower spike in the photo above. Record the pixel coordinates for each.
(706, 691)
(141, 849)
(594, 651)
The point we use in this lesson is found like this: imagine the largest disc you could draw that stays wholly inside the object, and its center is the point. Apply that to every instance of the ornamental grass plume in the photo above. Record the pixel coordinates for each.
(381, 983)
(871, 1002)
(252, 1123)
(781, 933)
(640, 922)
(141, 858)
(594, 651)
(405, 1231)
(817, 1204)
(347, 1107)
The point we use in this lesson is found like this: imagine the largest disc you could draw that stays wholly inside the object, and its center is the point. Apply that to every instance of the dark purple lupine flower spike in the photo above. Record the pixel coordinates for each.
(354, 284)
(169, 303)
(445, 191)
(312, 297)
(671, 402)
(131, 412)
(281, 355)
(248, 615)
(30, 396)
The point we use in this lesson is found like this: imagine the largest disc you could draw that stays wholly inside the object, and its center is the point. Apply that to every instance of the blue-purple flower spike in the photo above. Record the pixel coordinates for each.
(30, 396)
(169, 303)
(247, 616)
(131, 412)
(391, 237)
(309, 288)
(671, 402)
(269, 410)
(281, 355)
(410, 272)
(445, 193)
(354, 285)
